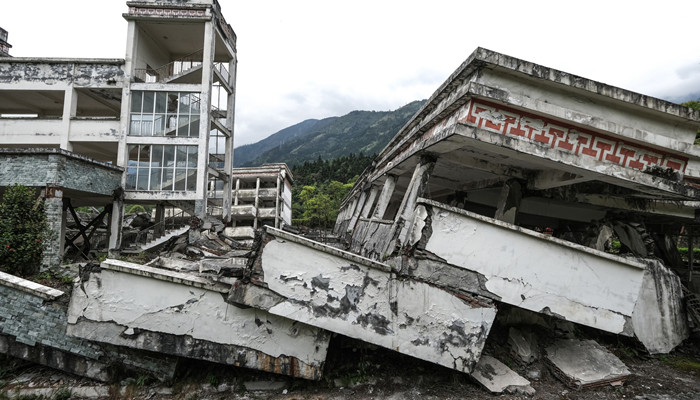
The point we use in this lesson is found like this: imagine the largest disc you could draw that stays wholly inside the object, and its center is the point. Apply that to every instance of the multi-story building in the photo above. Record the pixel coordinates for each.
(153, 128)
(4, 46)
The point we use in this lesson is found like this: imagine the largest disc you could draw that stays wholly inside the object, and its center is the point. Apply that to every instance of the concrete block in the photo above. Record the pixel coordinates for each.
(584, 363)
(496, 377)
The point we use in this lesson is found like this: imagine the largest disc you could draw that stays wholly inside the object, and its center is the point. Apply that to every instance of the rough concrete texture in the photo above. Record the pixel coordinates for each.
(584, 363)
(318, 286)
(659, 320)
(523, 345)
(148, 312)
(496, 377)
(538, 272)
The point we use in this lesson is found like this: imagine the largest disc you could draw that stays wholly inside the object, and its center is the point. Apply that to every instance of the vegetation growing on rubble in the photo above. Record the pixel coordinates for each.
(23, 228)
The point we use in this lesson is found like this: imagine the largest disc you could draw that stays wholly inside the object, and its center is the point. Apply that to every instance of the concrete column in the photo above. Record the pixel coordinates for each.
(416, 187)
(257, 196)
(228, 157)
(370, 201)
(277, 203)
(160, 217)
(356, 212)
(70, 108)
(384, 197)
(204, 122)
(509, 201)
(56, 221)
(115, 224)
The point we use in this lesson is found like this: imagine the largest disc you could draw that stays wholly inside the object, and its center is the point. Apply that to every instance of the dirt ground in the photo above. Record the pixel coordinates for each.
(356, 371)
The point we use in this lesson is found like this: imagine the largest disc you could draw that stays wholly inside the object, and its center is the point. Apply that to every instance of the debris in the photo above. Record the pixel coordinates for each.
(496, 377)
(583, 364)
(523, 345)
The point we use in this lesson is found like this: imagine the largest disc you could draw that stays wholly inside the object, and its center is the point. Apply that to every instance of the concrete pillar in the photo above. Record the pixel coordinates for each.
(416, 188)
(228, 157)
(277, 202)
(509, 201)
(70, 108)
(356, 212)
(257, 195)
(56, 220)
(160, 217)
(115, 224)
(384, 197)
(370, 201)
(204, 122)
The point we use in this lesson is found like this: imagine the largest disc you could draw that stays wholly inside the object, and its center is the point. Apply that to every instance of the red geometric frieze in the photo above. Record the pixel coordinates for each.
(575, 140)
(167, 12)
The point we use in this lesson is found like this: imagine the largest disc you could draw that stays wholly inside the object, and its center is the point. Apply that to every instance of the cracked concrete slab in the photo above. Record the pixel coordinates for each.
(584, 363)
(497, 378)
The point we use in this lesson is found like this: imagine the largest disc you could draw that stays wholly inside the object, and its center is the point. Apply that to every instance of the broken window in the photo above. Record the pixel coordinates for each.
(162, 167)
(164, 114)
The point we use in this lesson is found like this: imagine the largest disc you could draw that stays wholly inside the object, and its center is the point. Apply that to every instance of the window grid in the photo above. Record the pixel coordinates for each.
(164, 114)
(162, 168)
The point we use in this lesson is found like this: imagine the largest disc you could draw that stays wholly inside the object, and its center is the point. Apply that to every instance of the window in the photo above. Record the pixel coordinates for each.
(162, 167)
(164, 114)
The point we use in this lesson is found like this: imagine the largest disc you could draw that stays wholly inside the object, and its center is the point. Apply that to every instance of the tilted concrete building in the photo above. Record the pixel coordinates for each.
(161, 119)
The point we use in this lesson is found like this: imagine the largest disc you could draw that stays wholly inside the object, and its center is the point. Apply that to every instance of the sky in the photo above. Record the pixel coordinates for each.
(306, 59)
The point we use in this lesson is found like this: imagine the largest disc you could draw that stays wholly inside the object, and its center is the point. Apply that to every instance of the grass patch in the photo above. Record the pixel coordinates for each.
(682, 363)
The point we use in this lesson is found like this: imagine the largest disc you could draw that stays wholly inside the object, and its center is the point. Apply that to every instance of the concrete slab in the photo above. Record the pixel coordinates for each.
(584, 363)
(357, 297)
(496, 377)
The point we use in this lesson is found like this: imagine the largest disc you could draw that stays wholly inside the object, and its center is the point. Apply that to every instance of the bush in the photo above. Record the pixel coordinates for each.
(22, 231)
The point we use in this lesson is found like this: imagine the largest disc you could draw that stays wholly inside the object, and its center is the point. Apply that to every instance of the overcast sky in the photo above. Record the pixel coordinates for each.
(301, 59)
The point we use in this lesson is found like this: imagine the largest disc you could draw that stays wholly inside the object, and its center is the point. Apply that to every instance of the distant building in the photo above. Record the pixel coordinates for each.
(4, 46)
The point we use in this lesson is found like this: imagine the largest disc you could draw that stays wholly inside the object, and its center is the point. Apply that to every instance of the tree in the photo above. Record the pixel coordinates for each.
(695, 104)
(23, 228)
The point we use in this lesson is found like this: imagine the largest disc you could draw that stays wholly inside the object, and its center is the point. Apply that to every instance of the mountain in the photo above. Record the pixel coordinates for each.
(245, 154)
(357, 132)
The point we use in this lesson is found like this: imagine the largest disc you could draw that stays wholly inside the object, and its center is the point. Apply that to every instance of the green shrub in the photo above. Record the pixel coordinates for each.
(22, 231)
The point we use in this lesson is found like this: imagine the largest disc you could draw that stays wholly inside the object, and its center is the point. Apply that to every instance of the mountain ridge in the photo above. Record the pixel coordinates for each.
(357, 132)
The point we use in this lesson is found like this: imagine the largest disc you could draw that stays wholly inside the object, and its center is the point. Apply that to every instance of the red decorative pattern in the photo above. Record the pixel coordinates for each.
(167, 12)
(578, 141)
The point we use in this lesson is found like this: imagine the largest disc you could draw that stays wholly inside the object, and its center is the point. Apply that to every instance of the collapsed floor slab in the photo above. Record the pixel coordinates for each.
(344, 293)
(146, 308)
(532, 270)
(496, 377)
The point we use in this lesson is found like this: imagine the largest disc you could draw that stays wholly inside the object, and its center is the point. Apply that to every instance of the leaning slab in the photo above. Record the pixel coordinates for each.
(531, 270)
(496, 377)
(33, 320)
(163, 311)
(328, 288)
(584, 363)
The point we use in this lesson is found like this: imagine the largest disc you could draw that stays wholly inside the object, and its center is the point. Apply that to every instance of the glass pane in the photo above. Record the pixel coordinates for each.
(131, 178)
(180, 178)
(133, 153)
(184, 103)
(183, 123)
(158, 124)
(181, 156)
(172, 124)
(161, 101)
(192, 180)
(148, 99)
(142, 180)
(172, 103)
(194, 126)
(167, 179)
(155, 178)
(157, 156)
(135, 126)
(168, 156)
(192, 156)
(136, 98)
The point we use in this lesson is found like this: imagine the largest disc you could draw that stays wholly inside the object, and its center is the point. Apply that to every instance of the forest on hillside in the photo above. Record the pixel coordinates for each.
(320, 186)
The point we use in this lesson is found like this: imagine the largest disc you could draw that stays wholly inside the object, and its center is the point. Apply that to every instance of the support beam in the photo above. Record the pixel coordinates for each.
(509, 201)
(385, 196)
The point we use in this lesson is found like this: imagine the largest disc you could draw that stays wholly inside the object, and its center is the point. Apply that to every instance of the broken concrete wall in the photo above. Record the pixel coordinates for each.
(61, 72)
(146, 308)
(344, 293)
(532, 270)
(33, 327)
(371, 238)
(658, 319)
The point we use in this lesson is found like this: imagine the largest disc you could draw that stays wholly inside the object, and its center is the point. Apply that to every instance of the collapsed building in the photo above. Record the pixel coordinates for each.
(507, 190)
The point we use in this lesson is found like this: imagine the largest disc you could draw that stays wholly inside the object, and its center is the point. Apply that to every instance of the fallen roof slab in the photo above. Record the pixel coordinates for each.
(532, 270)
(163, 311)
(584, 363)
(322, 286)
